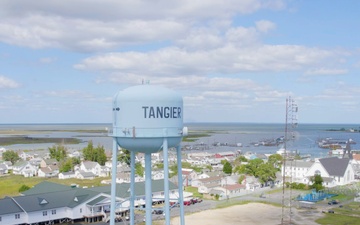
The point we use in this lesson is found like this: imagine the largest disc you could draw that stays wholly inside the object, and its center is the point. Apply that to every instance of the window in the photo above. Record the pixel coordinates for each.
(44, 213)
(17, 216)
(53, 211)
(80, 210)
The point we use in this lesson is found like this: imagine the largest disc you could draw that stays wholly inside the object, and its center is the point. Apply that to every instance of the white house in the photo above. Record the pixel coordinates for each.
(333, 170)
(89, 166)
(66, 175)
(298, 170)
(84, 175)
(50, 203)
(3, 169)
(49, 171)
(24, 168)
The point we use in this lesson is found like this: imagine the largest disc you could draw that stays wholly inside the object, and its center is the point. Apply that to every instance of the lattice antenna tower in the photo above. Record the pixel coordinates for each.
(290, 124)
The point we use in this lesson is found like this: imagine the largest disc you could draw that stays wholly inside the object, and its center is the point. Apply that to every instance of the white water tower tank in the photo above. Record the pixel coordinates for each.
(144, 115)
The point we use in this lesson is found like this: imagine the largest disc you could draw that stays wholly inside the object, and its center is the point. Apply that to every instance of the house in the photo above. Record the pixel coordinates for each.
(188, 175)
(334, 171)
(49, 171)
(49, 203)
(252, 183)
(66, 175)
(230, 191)
(225, 154)
(24, 168)
(208, 182)
(84, 175)
(3, 169)
(297, 170)
(90, 166)
(157, 174)
(48, 162)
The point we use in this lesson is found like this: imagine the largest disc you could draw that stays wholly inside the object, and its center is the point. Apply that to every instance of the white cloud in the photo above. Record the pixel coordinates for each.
(264, 26)
(325, 71)
(101, 25)
(8, 83)
(227, 59)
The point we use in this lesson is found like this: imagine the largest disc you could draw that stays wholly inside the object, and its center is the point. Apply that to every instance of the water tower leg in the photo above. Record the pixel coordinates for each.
(148, 189)
(113, 183)
(180, 185)
(132, 188)
(166, 182)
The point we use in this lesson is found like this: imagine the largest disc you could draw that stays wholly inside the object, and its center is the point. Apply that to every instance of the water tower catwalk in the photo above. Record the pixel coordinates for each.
(147, 119)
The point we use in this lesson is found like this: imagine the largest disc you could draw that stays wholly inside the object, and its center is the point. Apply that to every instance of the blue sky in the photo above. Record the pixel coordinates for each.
(232, 61)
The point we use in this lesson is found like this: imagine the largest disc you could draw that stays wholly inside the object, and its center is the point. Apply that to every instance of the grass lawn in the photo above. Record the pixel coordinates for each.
(194, 190)
(9, 185)
(347, 215)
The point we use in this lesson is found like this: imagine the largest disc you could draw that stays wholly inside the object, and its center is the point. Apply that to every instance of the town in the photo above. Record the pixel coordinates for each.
(206, 176)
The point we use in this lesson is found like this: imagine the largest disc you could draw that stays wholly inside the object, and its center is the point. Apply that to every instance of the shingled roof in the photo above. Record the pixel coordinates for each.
(335, 166)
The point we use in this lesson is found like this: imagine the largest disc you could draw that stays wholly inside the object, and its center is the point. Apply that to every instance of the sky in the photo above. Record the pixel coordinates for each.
(232, 61)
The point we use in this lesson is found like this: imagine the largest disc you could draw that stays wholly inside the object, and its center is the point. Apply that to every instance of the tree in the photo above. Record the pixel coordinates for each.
(209, 167)
(88, 152)
(227, 168)
(253, 165)
(241, 178)
(266, 172)
(240, 169)
(58, 152)
(275, 160)
(68, 164)
(24, 188)
(317, 182)
(240, 159)
(139, 169)
(11, 156)
(124, 156)
(94, 154)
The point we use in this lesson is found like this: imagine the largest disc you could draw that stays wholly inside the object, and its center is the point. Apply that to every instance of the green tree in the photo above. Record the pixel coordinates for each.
(24, 188)
(276, 160)
(241, 179)
(239, 160)
(209, 167)
(124, 156)
(240, 169)
(68, 164)
(139, 169)
(227, 168)
(94, 154)
(317, 182)
(11, 156)
(88, 152)
(252, 167)
(101, 155)
(266, 172)
(58, 152)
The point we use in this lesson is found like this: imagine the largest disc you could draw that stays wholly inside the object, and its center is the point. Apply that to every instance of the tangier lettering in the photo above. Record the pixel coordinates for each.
(161, 112)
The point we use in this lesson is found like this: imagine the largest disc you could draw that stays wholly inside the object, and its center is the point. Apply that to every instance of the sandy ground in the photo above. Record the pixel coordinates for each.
(249, 214)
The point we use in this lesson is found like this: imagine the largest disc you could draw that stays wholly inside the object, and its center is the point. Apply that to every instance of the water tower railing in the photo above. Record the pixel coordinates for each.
(145, 132)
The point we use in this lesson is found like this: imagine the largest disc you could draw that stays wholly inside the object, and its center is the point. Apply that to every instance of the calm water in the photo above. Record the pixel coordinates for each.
(305, 135)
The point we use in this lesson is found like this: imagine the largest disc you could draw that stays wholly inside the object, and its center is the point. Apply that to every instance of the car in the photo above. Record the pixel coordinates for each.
(158, 211)
(187, 203)
(333, 202)
(331, 211)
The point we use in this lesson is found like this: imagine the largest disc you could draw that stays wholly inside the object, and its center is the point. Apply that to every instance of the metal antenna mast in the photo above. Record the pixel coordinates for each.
(290, 123)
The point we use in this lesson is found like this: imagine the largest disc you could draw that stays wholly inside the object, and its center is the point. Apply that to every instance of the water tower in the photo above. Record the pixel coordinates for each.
(147, 119)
